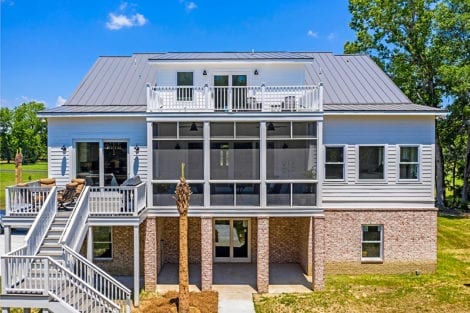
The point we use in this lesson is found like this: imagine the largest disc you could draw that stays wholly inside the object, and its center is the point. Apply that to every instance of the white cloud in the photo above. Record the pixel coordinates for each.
(26, 99)
(120, 21)
(123, 6)
(190, 6)
(331, 36)
(60, 101)
(312, 34)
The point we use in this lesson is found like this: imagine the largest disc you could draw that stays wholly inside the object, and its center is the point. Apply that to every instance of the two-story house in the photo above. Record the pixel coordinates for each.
(308, 158)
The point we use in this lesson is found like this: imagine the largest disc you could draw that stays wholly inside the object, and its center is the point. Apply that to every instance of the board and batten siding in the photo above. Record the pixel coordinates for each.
(390, 132)
(67, 131)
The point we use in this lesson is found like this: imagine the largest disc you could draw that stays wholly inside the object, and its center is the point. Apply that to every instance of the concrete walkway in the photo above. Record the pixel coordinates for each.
(236, 282)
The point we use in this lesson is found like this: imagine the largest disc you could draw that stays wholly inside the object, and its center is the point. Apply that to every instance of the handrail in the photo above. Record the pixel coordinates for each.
(117, 200)
(25, 200)
(43, 275)
(76, 226)
(95, 276)
(42, 223)
(294, 98)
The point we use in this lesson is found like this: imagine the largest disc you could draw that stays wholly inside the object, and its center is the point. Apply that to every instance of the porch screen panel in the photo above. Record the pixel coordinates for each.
(291, 159)
(168, 156)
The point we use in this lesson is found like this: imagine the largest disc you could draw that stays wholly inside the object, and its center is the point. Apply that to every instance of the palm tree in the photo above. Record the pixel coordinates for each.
(183, 193)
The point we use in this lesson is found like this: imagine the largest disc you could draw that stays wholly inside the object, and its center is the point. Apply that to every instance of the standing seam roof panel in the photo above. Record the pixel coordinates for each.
(82, 90)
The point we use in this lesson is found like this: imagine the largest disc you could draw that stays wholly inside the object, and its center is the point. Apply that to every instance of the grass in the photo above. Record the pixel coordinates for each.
(446, 290)
(30, 172)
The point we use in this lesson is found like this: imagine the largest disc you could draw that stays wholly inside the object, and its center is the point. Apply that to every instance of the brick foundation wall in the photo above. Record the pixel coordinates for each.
(410, 240)
(122, 262)
(170, 237)
(150, 254)
(305, 245)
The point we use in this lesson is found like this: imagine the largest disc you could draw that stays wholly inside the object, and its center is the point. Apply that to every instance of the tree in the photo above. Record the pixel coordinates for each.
(28, 132)
(182, 195)
(6, 149)
(408, 39)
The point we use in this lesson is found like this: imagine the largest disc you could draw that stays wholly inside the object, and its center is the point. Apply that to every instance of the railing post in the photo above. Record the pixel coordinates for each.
(46, 278)
(320, 96)
(7, 202)
(263, 88)
(206, 97)
(5, 275)
(148, 97)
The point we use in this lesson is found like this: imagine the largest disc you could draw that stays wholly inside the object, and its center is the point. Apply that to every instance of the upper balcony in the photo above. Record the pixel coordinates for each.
(305, 98)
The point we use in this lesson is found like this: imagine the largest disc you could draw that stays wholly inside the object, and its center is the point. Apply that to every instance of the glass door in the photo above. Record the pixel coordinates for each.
(221, 92)
(115, 163)
(239, 92)
(88, 162)
(231, 240)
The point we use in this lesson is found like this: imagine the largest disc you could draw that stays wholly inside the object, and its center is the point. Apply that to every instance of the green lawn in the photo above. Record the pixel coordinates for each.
(30, 172)
(448, 290)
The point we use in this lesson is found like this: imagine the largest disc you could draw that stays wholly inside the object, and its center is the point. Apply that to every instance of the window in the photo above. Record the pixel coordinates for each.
(409, 164)
(372, 240)
(371, 162)
(184, 79)
(102, 242)
(334, 163)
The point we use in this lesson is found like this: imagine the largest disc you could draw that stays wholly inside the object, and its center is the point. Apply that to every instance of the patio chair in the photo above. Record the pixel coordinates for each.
(67, 197)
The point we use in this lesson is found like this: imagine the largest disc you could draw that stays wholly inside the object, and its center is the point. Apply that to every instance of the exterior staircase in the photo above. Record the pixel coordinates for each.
(51, 245)
(49, 267)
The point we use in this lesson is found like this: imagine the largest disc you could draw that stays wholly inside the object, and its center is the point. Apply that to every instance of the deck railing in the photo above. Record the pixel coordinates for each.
(43, 275)
(117, 200)
(25, 200)
(76, 227)
(96, 277)
(306, 98)
(42, 223)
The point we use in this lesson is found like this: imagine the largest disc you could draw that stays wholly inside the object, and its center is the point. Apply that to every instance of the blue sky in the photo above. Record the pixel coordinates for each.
(48, 46)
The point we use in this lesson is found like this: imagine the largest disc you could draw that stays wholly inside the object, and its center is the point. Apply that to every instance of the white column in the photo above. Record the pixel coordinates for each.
(320, 162)
(207, 164)
(262, 164)
(89, 244)
(150, 163)
(136, 266)
(7, 239)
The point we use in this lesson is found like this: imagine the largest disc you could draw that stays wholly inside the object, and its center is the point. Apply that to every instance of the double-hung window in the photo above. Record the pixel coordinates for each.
(409, 163)
(185, 82)
(371, 162)
(372, 242)
(334, 163)
(102, 242)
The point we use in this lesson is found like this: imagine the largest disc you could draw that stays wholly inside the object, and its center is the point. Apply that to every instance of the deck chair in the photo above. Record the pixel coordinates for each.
(67, 197)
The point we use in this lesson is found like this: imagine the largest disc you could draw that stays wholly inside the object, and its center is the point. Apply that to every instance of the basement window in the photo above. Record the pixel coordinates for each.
(102, 242)
(372, 243)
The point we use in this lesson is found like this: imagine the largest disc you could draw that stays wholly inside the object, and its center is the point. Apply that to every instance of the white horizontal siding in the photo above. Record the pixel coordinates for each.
(67, 131)
(378, 130)
(268, 73)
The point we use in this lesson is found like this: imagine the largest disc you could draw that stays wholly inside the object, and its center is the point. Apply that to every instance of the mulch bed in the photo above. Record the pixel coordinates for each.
(199, 302)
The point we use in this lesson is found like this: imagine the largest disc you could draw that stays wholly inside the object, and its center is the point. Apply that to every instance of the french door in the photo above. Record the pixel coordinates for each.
(232, 240)
(230, 91)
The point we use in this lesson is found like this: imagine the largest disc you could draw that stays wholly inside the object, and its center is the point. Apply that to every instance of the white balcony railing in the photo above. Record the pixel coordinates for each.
(117, 200)
(25, 200)
(235, 99)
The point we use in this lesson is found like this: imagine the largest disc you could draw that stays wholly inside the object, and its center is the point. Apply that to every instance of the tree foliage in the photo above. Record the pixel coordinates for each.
(21, 128)
(424, 46)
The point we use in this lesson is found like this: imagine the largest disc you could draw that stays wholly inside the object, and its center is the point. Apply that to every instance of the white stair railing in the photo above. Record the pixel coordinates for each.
(76, 227)
(43, 275)
(96, 277)
(41, 224)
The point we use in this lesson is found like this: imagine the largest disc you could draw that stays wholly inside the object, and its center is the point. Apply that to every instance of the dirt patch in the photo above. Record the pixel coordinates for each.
(199, 302)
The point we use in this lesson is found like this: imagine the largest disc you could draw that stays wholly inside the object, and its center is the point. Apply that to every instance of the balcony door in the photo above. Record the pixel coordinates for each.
(102, 163)
(232, 240)
(230, 91)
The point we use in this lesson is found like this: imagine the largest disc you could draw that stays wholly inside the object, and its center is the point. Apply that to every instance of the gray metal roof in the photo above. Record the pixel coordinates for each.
(232, 56)
(399, 107)
(351, 82)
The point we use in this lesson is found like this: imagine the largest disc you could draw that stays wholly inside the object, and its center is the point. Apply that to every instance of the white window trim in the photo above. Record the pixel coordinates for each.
(408, 180)
(111, 242)
(344, 163)
(373, 259)
(385, 166)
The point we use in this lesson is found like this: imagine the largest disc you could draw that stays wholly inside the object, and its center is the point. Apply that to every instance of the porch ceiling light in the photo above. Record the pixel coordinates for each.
(193, 127)
(271, 126)
(177, 146)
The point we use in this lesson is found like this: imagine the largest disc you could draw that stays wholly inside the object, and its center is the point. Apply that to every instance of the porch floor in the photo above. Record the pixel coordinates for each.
(286, 277)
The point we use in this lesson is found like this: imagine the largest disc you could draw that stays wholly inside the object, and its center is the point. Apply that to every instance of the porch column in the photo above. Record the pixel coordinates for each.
(89, 244)
(136, 266)
(7, 230)
(150, 254)
(318, 282)
(262, 258)
(206, 253)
